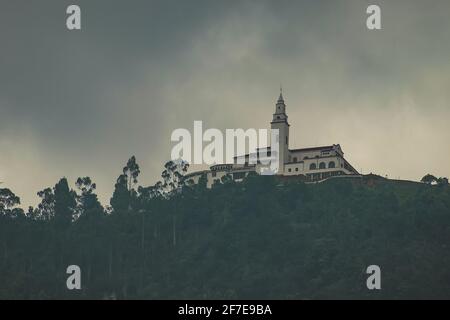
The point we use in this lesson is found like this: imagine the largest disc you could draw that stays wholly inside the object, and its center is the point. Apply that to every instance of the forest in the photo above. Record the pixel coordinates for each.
(264, 238)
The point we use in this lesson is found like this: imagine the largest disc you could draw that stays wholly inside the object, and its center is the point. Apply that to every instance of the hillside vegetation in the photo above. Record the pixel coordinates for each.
(260, 239)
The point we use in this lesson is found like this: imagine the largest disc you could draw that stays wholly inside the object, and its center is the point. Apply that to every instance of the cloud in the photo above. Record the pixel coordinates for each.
(80, 103)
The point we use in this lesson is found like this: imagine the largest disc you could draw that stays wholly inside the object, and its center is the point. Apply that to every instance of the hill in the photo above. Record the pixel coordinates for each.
(260, 239)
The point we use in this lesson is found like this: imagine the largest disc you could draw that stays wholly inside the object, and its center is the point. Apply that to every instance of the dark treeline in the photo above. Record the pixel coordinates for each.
(259, 239)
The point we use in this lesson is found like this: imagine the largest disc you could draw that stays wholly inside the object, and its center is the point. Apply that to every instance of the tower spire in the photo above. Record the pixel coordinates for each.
(280, 98)
(280, 108)
(280, 123)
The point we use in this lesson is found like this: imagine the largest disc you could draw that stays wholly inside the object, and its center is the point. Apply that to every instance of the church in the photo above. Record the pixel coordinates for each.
(312, 164)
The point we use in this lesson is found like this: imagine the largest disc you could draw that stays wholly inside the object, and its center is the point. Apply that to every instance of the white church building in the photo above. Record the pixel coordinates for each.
(312, 164)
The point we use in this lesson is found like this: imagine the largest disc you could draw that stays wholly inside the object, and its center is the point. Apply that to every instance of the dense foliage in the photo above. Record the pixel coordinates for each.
(263, 238)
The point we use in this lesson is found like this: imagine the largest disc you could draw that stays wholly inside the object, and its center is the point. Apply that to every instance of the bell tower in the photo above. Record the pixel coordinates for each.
(280, 122)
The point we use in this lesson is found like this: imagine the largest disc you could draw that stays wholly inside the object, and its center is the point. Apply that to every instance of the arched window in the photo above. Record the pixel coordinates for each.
(322, 165)
(331, 164)
(312, 166)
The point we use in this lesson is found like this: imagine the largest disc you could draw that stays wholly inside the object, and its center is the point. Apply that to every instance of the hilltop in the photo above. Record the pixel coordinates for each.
(264, 238)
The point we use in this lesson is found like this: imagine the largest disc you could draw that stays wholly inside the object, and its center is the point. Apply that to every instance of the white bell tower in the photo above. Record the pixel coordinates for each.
(280, 122)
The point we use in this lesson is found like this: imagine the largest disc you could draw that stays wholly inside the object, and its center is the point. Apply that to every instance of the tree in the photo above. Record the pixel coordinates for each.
(8, 200)
(131, 171)
(46, 208)
(121, 196)
(147, 193)
(88, 203)
(271, 238)
(443, 181)
(173, 176)
(65, 203)
(428, 179)
(226, 179)
(202, 182)
(124, 193)
(85, 185)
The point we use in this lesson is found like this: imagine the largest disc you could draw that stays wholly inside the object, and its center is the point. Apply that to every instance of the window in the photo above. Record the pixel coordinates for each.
(322, 165)
(295, 159)
(214, 173)
(312, 166)
(289, 170)
(296, 169)
(331, 164)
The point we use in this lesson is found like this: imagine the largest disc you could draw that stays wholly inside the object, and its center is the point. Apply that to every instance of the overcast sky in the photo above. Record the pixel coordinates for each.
(80, 103)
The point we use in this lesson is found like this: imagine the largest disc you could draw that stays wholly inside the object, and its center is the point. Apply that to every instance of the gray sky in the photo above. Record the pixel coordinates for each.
(80, 103)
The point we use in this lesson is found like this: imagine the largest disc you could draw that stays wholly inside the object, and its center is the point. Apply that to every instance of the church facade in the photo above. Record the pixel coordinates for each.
(312, 164)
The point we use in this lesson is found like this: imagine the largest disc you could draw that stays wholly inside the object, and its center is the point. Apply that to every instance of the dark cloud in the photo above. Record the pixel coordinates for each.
(81, 102)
